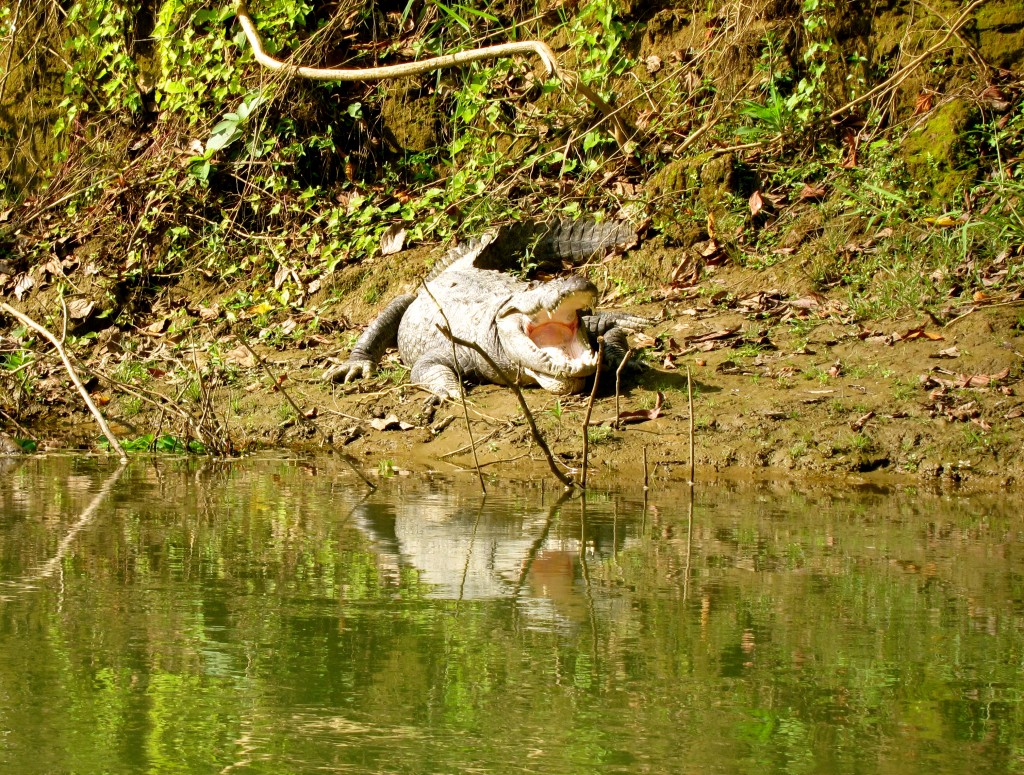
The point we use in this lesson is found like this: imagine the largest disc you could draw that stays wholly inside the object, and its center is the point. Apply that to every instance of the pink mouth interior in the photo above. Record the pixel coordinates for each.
(553, 334)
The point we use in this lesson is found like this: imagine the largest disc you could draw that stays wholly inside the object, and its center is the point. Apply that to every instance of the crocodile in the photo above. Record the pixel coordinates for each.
(535, 332)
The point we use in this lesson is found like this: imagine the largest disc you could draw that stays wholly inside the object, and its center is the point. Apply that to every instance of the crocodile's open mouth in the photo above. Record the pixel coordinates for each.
(542, 336)
(557, 332)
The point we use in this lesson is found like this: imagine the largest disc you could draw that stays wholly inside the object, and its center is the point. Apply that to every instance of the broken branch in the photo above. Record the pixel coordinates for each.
(100, 420)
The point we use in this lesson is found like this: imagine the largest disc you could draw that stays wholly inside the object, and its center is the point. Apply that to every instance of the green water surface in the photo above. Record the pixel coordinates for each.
(274, 617)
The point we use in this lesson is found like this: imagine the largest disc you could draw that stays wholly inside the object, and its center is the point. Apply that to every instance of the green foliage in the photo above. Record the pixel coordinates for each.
(164, 443)
(101, 73)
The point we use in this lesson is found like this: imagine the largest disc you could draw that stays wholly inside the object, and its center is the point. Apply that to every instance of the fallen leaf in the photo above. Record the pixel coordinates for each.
(157, 328)
(280, 276)
(653, 63)
(640, 415)
(240, 356)
(923, 103)
(390, 423)
(712, 336)
(852, 139)
(812, 192)
(23, 286)
(949, 352)
(943, 221)
(80, 309)
(392, 240)
(983, 380)
(756, 203)
(859, 423)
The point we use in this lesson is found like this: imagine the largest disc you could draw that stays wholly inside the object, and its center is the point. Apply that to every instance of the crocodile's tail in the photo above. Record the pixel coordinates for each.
(564, 239)
(544, 244)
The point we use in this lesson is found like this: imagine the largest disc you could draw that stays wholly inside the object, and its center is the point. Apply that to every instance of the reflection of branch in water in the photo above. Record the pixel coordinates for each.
(469, 554)
(48, 568)
(689, 543)
(586, 578)
(531, 555)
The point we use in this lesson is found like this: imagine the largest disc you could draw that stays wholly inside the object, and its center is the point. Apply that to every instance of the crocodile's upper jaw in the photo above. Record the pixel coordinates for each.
(540, 331)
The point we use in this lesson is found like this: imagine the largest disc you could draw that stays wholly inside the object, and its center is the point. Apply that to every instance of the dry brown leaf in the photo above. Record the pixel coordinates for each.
(812, 192)
(80, 309)
(240, 356)
(642, 415)
(392, 240)
(859, 423)
(390, 423)
(923, 103)
(756, 203)
(157, 328)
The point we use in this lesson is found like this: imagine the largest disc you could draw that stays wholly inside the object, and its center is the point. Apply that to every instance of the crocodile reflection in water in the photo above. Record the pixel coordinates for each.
(465, 553)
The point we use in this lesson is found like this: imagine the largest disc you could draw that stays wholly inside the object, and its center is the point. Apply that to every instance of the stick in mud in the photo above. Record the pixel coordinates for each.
(537, 437)
(462, 389)
(618, 378)
(590, 408)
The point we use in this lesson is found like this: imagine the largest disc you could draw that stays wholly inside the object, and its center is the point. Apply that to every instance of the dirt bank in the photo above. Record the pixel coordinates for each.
(783, 383)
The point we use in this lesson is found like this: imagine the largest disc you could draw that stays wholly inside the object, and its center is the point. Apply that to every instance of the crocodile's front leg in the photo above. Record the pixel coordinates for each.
(381, 334)
(615, 328)
(437, 376)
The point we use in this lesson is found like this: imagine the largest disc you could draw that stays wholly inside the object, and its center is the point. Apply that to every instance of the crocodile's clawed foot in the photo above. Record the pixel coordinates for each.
(350, 370)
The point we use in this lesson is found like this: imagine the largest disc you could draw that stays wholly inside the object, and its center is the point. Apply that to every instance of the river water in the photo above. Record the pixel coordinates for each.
(274, 616)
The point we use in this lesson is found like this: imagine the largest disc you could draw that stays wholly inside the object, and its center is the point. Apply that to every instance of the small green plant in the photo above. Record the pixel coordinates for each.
(165, 443)
(862, 442)
(599, 434)
(386, 467)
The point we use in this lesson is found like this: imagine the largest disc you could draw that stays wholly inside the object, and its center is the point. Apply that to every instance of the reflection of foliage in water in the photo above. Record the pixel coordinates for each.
(212, 615)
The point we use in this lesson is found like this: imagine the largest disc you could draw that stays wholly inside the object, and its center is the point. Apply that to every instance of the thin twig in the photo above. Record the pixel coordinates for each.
(590, 408)
(537, 437)
(462, 389)
(111, 438)
(303, 418)
(616, 424)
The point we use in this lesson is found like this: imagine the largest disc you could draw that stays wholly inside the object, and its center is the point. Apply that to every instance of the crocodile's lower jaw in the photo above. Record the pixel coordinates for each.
(562, 386)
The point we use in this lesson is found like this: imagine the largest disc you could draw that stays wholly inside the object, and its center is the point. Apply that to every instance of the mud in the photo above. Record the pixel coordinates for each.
(782, 386)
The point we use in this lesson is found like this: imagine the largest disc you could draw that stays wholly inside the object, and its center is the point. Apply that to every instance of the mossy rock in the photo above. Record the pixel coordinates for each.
(410, 119)
(934, 153)
(707, 179)
(999, 27)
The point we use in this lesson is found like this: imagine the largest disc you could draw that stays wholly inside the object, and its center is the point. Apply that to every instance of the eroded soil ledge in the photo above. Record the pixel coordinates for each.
(785, 384)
